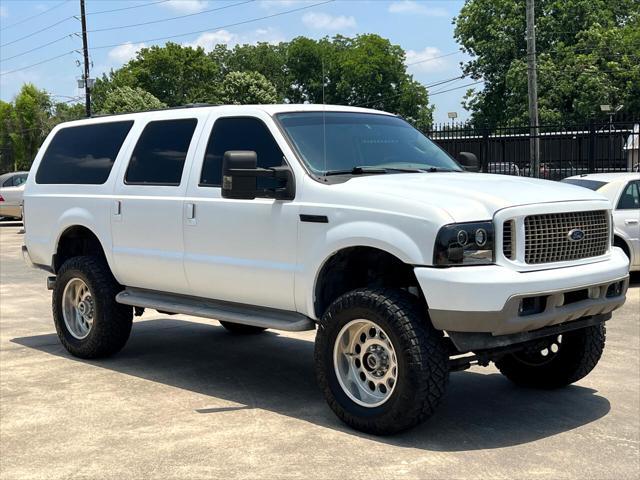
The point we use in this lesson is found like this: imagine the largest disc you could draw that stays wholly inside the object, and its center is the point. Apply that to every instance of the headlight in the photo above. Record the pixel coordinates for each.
(464, 244)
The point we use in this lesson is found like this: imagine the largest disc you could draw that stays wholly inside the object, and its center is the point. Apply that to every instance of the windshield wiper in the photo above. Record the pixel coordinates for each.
(359, 170)
(438, 169)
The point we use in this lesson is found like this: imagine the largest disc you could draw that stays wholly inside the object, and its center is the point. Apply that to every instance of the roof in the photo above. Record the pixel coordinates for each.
(270, 109)
(609, 177)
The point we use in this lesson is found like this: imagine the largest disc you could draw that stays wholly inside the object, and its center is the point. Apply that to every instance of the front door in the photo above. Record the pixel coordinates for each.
(240, 251)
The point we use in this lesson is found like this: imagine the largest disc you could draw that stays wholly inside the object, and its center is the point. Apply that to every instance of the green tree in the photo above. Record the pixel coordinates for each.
(127, 99)
(174, 74)
(241, 88)
(587, 57)
(26, 123)
(366, 70)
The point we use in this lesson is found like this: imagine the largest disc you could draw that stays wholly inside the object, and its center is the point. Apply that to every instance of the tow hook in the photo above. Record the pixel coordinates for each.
(51, 283)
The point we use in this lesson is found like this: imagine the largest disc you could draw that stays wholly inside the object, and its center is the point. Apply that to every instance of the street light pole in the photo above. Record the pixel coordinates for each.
(532, 80)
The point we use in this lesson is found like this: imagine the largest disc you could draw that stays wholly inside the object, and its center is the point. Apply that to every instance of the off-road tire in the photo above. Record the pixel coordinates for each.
(112, 321)
(423, 369)
(578, 354)
(239, 329)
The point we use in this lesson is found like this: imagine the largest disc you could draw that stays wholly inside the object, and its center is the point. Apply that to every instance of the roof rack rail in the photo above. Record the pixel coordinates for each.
(187, 105)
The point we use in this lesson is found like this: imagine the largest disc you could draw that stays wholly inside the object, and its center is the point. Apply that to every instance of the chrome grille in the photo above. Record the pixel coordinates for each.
(507, 240)
(547, 236)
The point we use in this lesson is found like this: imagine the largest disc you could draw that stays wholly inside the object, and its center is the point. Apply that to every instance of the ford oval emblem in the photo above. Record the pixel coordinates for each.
(575, 235)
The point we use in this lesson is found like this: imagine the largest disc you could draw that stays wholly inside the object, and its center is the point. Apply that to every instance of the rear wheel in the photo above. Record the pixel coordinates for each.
(380, 364)
(89, 321)
(239, 329)
(556, 361)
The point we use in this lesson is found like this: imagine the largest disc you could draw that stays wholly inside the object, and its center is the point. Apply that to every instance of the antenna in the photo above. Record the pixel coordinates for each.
(324, 122)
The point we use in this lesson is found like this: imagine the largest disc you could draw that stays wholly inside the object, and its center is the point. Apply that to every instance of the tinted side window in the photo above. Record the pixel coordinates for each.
(8, 182)
(239, 134)
(83, 155)
(159, 156)
(630, 198)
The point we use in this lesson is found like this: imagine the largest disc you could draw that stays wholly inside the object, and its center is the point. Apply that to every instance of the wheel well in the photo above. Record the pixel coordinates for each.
(76, 241)
(357, 267)
(620, 242)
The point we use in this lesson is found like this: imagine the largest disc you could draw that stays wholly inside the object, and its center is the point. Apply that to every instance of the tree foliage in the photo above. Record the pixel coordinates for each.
(587, 56)
(126, 99)
(26, 121)
(366, 70)
(242, 88)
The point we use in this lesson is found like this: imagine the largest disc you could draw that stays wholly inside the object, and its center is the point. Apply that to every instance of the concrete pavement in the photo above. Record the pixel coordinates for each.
(184, 399)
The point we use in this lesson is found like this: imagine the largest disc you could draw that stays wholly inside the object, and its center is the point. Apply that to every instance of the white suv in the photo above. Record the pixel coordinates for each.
(294, 217)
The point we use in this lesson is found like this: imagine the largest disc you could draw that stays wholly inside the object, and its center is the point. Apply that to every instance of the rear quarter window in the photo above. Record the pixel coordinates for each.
(83, 154)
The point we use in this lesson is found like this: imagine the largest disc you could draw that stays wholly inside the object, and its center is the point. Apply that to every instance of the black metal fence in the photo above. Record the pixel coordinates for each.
(565, 149)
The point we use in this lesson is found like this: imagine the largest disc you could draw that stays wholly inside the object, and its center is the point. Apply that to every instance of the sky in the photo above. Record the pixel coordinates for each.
(35, 31)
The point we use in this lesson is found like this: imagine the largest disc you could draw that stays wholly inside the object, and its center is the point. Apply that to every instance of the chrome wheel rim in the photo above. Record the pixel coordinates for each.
(78, 308)
(365, 363)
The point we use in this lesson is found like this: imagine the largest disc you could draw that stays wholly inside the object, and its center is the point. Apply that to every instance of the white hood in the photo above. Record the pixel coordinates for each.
(470, 196)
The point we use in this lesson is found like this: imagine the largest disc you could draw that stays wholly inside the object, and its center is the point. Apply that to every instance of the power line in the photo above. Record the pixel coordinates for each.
(285, 12)
(170, 18)
(33, 16)
(433, 58)
(388, 97)
(39, 47)
(44, 45)
(455, 88)
(48, 27)
(148, 4)
(244, 22)
(36, 32)
(38, 63)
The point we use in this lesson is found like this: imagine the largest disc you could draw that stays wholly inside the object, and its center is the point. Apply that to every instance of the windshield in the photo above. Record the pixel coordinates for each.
(344, 142)
(590, 184)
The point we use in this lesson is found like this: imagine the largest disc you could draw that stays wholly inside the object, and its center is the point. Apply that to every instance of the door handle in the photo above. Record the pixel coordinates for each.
(117, 211)
(631, 221)
(190, 211)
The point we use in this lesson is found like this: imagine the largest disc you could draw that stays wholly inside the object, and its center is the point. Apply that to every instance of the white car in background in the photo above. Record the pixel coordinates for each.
(11, 193)
(623, 190)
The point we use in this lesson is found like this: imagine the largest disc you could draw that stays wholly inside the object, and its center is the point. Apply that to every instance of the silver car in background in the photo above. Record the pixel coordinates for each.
(623, 190)
(11, 192)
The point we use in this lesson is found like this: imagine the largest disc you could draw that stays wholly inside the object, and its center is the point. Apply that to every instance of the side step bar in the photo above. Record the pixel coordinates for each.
(216, 309)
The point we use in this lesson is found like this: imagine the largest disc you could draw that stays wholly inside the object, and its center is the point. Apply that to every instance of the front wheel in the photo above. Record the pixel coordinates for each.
(380, 364)
(556, 361)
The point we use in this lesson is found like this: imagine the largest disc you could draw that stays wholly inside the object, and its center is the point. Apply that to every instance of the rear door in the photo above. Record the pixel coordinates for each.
(147, 210)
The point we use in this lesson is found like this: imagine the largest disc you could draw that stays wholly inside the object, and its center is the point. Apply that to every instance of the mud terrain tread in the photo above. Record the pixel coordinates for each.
(421, 344)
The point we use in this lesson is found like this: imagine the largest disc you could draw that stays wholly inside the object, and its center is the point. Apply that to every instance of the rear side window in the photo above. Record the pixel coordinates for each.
(19, 179)
(630, 198)
(241, 133)
(83, 155)
(160, 153)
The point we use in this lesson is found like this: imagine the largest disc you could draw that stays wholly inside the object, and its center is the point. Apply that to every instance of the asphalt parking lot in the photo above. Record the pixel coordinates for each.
(184, 399)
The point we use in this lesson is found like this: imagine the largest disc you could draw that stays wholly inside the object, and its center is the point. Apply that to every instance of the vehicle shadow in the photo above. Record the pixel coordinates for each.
(275, 373)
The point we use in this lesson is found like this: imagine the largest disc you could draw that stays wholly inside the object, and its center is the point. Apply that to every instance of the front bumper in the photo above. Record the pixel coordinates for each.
(490, 298)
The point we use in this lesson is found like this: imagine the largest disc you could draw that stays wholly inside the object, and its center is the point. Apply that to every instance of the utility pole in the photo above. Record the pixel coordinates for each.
(532, 80)
(85, 48)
